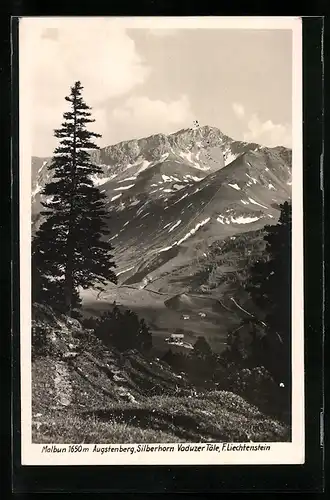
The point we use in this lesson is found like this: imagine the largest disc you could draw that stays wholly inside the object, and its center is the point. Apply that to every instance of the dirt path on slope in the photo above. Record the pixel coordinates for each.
(62, 385)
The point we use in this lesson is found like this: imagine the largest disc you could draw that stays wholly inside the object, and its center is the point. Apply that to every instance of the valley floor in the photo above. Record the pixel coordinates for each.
(162, 320)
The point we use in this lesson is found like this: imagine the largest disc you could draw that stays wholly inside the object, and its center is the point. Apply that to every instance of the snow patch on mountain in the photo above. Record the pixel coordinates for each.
(116, 197)
(256, 203)
(182, 197)
(175, 225)
(167, 248)
(252, 178)
(186, 156)
(236, 220)
(223, 220)
(141, 208)
(98, 181)
(193, 231)
(145, 164)
(36, 190)
(189, 157)
(42, 166)
(235, 186)
(228, 156)
(169, 178)
(130, 165)
(133, 178)
(124, 187)
(193, 177)
(244, 220)
(186, 236)
(125, 270)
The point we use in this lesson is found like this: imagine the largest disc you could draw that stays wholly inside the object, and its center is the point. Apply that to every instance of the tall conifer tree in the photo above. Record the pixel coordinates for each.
(270, 288)
(70, 249)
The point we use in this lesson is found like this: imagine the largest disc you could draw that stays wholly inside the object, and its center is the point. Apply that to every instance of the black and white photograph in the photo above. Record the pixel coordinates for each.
(161, 240)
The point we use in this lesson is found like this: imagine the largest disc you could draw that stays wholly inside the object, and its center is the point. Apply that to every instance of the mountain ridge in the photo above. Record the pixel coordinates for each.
(204, 148)
(168, 209)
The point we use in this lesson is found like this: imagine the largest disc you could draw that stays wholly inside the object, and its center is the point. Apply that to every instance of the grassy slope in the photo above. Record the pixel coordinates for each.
(101, 396)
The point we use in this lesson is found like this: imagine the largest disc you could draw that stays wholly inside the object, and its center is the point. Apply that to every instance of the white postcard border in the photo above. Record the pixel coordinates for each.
(279, 453)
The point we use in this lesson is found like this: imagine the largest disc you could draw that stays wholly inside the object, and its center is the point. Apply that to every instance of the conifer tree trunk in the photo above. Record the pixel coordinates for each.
(68, 286)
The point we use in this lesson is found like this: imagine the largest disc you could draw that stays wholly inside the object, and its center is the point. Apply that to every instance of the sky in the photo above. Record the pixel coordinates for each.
(143, 81)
